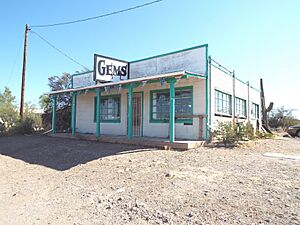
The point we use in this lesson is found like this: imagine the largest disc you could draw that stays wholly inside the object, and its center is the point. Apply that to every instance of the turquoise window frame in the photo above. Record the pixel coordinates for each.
(105, 97)
(188, 121)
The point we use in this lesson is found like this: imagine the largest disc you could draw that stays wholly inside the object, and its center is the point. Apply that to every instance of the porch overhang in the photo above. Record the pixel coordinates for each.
(137, 81)
(170, 78)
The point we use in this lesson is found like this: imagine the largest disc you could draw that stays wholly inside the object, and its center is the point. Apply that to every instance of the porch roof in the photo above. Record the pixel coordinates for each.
(140, 80)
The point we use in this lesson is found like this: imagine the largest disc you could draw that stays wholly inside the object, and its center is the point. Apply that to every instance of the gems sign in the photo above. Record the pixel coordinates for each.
(108, 69)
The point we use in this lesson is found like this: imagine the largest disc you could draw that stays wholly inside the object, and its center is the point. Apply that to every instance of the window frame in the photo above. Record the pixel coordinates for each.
(217, 113)
(188, 121)
(105, 97)
(254, 112)
(237, 99)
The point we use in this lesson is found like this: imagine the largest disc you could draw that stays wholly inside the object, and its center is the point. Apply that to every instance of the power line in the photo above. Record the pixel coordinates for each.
(14, 64)
(57, 49)
(96, 17)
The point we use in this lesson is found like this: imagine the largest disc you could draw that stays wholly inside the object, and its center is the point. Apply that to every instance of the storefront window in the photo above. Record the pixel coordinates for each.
(109, 109)
(222, 103)
(240, 107)
(160, 105)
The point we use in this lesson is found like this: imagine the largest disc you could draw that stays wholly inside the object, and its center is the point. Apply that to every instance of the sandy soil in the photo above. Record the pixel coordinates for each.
(58, 181)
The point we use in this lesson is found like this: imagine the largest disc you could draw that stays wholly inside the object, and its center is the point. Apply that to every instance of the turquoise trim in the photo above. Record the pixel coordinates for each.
(98, 103)
(54, 98)
(188, 74)
(77, 74)
(190, 121)
(73, 116)
(207, 98)
(172, 110)
(170, 53)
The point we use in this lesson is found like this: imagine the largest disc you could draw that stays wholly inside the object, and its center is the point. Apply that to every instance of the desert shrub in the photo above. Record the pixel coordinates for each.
(263, 135)
(25, 126)
(246, 131)
(282, 118)
(229, 133)
(226, 132)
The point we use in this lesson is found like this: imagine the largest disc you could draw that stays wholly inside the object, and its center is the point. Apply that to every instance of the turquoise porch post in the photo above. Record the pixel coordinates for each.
(129, 119)
(73, 116)
(207, 97)
(54, 114)
(172, 110)
(98, 101)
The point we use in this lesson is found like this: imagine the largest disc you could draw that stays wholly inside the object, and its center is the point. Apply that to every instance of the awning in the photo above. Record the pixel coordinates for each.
(143, 80)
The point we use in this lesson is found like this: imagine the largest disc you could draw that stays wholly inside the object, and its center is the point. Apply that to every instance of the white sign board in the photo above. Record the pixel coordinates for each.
(191, 60)
(108, 69)
(83, 80)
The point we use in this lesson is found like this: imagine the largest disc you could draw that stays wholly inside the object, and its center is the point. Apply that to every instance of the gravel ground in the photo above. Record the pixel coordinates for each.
(58, 181)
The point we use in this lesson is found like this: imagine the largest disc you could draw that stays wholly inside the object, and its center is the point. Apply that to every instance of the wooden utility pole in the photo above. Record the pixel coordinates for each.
(23, 72)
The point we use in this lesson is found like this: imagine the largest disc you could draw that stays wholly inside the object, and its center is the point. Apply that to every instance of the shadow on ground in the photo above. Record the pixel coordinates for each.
(58, 153)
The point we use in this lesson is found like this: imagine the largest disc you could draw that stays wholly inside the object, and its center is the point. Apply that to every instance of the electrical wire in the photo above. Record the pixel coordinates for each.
(14, 64)
(95, 17)
(57, 49)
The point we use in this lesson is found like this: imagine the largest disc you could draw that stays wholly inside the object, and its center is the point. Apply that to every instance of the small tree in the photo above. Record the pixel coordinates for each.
(64, 101)
(282, 118)
(57, 83)
(8, 109)
(9, 116)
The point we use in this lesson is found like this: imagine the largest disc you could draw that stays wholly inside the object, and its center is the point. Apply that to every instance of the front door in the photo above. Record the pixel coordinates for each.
(137, 114)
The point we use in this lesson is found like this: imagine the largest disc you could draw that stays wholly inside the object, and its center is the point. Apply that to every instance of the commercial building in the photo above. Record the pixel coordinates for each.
(175, 96)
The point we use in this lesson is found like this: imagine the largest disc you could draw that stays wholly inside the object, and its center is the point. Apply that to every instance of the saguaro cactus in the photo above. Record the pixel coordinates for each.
(265, 110)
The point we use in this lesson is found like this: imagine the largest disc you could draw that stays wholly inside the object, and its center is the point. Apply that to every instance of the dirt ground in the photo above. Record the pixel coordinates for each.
(48, 180)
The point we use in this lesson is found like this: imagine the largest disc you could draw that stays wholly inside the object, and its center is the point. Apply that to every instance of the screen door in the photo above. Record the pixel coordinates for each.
(137, 114)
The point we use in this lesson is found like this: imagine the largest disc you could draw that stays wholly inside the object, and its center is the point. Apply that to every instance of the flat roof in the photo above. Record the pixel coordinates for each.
(124, 82)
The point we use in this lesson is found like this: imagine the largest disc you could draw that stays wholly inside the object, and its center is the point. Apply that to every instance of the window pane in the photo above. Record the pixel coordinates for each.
(222, 103)
(161, 104)
(110, 108)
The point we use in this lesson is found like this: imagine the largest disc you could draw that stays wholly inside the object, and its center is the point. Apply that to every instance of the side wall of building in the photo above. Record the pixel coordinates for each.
(223, 82)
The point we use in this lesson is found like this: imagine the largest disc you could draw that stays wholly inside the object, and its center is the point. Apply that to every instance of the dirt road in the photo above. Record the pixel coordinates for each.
(58, 181)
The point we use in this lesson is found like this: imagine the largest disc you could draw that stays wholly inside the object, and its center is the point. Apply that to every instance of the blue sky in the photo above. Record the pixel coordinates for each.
(258, 39)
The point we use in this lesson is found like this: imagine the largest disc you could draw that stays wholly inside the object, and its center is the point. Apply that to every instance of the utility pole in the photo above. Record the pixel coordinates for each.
(23, 72)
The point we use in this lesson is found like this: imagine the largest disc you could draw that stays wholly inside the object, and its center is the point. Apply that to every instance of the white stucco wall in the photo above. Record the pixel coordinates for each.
(192, 60)
(85, 112)
(224, 82)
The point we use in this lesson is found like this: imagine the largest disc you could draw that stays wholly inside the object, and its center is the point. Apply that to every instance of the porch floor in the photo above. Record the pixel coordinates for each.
(141, 141)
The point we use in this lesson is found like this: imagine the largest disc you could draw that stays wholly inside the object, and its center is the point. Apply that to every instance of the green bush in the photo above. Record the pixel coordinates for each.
(226, 132)
(230, 134)
(21, 127)
(246, 131)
